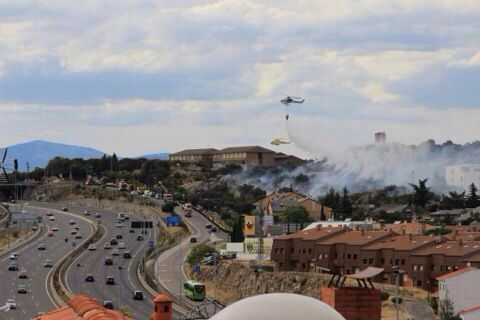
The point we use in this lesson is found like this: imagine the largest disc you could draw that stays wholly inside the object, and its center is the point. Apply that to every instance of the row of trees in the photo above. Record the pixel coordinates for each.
(453, 200)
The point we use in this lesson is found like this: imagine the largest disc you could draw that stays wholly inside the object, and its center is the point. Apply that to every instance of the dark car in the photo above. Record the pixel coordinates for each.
(214, 229)
(107, 304)
(108, 261)
(193, 240)
(110, 280)
(22, 289)
(89, 278)
(137, 295)
(119, 236)
(42, 247)
(65, 209)
(13, 267)
(131, 230)
(113, 242)
(127, 255)
(98, 215)
(139, 238)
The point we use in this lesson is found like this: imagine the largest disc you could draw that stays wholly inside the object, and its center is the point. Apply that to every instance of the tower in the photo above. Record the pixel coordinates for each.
(380, 137)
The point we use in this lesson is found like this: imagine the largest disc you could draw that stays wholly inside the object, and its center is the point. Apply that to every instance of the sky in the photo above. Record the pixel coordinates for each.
(137, 77)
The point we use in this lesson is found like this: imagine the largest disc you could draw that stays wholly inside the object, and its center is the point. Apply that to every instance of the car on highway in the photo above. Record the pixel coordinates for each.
(115, 252)
(48, 263)
(22, 274)
(50, 233)
(12, 305)
(193, 240)
(108, 261)
(89, 278)
(73, 232)
(107, 246)
(86, 212)
(98, 215)
(72, 222)
(214, 229)
(55, 228)
(34, 228)
(126, 217)
(78, 236)
(74, 243)
(208, 225)
(119, 224)
(127, 255)
(107, 304)
(76, 228)
(22, 289)
(13, 267)
(92, 247)
(110, 280)
(121, 245)
(139, 238)
(51, 218)
(42, 247)
(118, 237)
(65, 209)
(131, 231)
(113, 242)
(13, 256)
(137, 295)
(49, 214)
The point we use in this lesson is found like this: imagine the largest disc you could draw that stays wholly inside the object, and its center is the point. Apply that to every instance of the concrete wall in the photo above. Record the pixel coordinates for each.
(463, 289)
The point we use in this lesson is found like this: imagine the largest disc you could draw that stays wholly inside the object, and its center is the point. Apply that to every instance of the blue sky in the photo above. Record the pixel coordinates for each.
(137, 77)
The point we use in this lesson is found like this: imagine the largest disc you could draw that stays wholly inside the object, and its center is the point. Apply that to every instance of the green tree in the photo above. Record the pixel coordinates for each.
(198, 252)
(333, 200)
(346, 203)
(447, 311)
(473, 200)
(422, 193)
(295, 214)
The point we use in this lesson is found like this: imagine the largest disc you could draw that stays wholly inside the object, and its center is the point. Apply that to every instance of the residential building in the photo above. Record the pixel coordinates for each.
(281, 158)
(203, 157)
(454, 215)
(461, 287)
(245, 156)
(404, 227)
(462, 175)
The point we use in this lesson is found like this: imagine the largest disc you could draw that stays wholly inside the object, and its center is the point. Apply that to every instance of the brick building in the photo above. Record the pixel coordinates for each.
(346, 251)
(203, 157)
(248, 156)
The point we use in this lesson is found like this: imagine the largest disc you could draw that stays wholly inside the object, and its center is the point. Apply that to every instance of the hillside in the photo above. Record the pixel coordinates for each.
(38, 152)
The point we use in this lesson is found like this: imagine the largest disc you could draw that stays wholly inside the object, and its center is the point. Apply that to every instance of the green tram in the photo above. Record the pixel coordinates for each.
(194, 290)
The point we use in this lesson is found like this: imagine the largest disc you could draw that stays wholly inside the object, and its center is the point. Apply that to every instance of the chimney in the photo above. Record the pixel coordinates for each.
(410, 237)
(357, 227)
(362, 231)
(163, 308)
(404, 231)
(319, 227)
(455, 234)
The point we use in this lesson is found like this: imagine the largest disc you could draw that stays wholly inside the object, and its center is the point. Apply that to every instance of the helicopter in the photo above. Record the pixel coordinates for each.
(288, 99)
(279, 141)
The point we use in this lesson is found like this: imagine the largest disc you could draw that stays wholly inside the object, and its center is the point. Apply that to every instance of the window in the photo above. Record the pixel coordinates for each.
(402, 262)
(292, 250)
(414, 267)
(421, 268)
(280, 264)
(448, 268)
(455, 267)
(166, 309)
(419, 283)
(282, 250)
(397, 262)
(325, 255)
(336, 255)
(354, 257)
(304, 251)
(364, 261)
(349, 256)
(276, 250)
(382, 261)
(370, 261)
(432, 267)
(319, 256)
(309, 251)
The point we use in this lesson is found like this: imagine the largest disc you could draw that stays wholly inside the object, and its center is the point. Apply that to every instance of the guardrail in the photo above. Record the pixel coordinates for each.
(58, 291)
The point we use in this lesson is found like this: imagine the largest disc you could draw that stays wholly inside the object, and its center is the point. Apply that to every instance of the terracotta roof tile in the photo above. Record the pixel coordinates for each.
(405, 242)
(357, 237)
(450, 248)
(312, 234)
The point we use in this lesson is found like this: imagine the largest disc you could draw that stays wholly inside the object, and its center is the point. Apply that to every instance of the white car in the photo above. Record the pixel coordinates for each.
(86, 212)
(92, 247)
(13, 256)
(11, 304)
(115, 252)
(121, 245)
(107, 246)
(49, 214)
(119, 225)
(54, 228)
(51, 218)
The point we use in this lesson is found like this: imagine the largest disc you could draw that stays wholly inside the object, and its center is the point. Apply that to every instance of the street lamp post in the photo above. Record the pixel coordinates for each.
(397, 272)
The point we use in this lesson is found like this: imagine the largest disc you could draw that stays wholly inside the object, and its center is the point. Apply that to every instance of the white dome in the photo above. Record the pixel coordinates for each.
(278, 306)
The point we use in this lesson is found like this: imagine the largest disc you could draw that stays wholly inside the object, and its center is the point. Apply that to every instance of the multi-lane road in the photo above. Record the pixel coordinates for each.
(32, 260)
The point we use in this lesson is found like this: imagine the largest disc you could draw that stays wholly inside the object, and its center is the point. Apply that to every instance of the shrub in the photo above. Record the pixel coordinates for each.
(198, 252)
(400, 300)
(384, 295)
(168, 207)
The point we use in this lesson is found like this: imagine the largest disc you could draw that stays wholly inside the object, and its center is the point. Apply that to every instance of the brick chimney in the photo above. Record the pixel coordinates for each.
(410, 237)
(319, 227)
(404, 231)
(455, 234)
(163, 308)
(362, 230)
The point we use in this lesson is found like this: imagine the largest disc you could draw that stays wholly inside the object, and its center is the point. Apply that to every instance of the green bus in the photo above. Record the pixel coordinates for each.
(194, 290)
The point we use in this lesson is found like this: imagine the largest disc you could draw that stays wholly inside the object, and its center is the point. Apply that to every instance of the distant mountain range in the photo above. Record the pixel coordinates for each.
(38, 152)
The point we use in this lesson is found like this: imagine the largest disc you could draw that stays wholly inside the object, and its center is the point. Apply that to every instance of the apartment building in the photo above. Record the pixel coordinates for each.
(423, 258)
(194, 156)
(245, 156)
(462, 175)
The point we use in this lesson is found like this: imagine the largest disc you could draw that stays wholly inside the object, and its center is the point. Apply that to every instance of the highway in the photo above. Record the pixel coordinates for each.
(126, 281)
(167, 267)
(31, 259)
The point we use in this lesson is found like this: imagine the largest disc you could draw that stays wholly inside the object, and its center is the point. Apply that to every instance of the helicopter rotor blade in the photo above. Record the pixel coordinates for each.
(4, 155)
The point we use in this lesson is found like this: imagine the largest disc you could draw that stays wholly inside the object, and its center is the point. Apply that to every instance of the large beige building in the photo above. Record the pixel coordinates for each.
(462, 175)
(194, 156)
(244, 156)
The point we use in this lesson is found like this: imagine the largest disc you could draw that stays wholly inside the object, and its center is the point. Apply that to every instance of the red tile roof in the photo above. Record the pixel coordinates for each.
(405, 242)
(455, 273)
(450, 248)
(357, 237)
(312, 234)
(83, 307)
